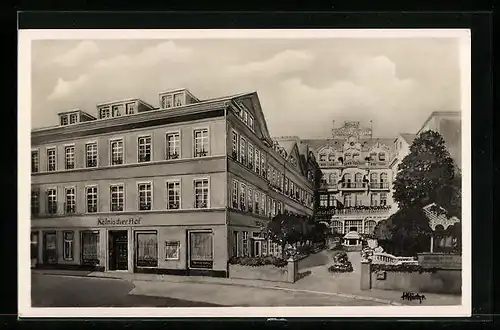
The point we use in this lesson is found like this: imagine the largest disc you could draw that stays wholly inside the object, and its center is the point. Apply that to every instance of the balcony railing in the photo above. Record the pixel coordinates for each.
(330, 211)
(328, 185)
(354, 185)
(328, 163)
(379, 185)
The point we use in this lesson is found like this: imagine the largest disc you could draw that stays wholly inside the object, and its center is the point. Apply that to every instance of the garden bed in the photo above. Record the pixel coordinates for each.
(260, 268)
(341, 263)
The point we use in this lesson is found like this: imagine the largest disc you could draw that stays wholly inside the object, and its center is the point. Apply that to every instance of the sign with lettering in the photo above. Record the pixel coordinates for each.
(204, 264)
(118, 221)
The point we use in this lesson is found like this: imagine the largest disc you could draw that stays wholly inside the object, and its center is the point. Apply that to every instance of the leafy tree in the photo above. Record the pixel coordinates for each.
(428, 175)
(285, 228)
(410, 232)
(383, 233)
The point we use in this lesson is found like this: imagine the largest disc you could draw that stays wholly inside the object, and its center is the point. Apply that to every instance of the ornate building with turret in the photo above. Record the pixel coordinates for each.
(355, 191)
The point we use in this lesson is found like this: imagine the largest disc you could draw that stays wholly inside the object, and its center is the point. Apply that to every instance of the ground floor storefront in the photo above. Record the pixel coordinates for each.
(133, 244)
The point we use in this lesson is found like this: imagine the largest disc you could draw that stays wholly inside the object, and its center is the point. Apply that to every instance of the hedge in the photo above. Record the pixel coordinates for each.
(258, 261)
(404, 268)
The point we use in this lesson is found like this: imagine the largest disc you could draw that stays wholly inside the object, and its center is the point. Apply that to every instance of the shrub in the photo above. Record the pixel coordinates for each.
(404, 268)
(258, 261)
(341, 268)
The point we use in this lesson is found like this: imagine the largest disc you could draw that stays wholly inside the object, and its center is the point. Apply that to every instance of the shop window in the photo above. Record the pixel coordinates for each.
(200, 250)
(147, 250)
(172, 250)
(50, 247)
(68, 245)
(90, 248)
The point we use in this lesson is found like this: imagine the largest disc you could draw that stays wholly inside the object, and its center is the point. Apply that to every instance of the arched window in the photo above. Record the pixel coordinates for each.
(358, 177)
(348, 177)
(369, 227)
(381, 156)
(337, 226)
(383, 177)
(333, 178)
(374, 178)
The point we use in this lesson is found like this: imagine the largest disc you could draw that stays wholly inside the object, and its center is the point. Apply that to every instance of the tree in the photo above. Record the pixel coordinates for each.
(383, 233)
(285, 228)
(428, 175)
(410, 232)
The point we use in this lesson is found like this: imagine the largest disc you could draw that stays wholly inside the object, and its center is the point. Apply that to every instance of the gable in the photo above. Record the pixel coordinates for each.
(251, 103)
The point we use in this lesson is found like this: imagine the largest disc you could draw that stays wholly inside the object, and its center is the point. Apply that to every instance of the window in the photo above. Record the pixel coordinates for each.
(51, 159)
(263, 164)
(51, 201)
(323, 200)
(369, 227)
(91, 154)
(257, 161)
(358, 178)
(147, 250)
(322, 157)
(331, 157)
(117, 110)
(117, 198)
(278, 207)
(251, 122)
(374, 199)
(245, 117)
(34, 245)
(337, 227)
(50, 247)
(348, 200)
(35, 162)
(90, 248)
(174, 195)
(234, 145)
(130, 108)
(91, 193)
(353, 225)
(273, 207)
(243, 151)
(250, 156)
(68, 237)
(235, 194)
(200, 250)
(383, 199)
(348, 179)
(117, 152)
(243, 196)
(245, 243)
(250, 199)
(257, 201)
(201, 142)
(144, 149)
(235, 244)
(69, 153)
(64, 120)
(358, 200)
(145, 195)
(104, 113)
(166, 101)
(263, 204)
(201, 194)
(383, 177)
(286, 186)
(172, 250)
(178, 100)
(173, 146)
(73, 118)
(70, 204)
(381, 156)
(35, 201)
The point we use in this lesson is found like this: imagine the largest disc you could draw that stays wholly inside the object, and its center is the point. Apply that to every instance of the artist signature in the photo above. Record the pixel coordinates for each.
(410, 296)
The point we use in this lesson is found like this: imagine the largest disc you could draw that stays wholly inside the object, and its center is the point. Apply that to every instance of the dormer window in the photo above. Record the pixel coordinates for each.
(166, 101)
(250, 122)
(117, 110)
(381, 156)
(104, 113)
(64, 120)
(130, 108)
(178, 99)
(73, 118)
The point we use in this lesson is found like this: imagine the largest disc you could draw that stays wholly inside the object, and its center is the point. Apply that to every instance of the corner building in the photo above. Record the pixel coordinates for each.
(175, 189)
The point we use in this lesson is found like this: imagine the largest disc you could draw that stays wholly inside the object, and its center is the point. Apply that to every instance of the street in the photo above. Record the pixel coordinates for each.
(64, 291)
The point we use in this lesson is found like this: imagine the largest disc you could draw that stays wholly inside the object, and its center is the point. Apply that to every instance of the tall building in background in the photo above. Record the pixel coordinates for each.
(355, 192)
(175, 189)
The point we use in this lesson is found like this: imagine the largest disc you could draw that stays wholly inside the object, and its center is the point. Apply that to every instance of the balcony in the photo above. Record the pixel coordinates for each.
(354, 185)
(329, 163)
(327, 212)
(379, 185)
(329, 185)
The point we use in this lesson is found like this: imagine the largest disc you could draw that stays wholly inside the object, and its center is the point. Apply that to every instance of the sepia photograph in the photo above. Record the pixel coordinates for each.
(244, 173)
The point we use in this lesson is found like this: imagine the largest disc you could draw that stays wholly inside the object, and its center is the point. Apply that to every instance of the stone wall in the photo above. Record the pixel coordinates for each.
(288, 273)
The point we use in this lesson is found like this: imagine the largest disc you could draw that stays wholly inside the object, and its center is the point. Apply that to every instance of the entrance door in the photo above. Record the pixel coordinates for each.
(50, 248)
(257, 248)
(118, 250)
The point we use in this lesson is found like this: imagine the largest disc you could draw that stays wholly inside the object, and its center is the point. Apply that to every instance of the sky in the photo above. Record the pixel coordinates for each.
(303, 84)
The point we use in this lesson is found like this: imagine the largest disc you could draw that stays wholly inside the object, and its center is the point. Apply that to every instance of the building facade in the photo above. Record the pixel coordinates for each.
(177, 189)
(356, 185)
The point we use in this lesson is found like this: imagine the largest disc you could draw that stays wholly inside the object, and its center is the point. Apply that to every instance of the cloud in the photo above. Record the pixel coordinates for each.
(286, 61)
(163, 52)
(64, 88)
(73, 57)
